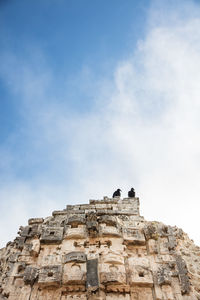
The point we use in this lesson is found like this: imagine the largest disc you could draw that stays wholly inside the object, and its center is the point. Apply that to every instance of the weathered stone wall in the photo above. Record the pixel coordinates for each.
(103, 250)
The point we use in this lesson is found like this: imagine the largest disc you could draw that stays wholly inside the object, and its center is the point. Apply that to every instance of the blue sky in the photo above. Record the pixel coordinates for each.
(97, 95)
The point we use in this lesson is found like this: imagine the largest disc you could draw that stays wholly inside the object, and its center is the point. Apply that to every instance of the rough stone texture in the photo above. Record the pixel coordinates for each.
(100, 251)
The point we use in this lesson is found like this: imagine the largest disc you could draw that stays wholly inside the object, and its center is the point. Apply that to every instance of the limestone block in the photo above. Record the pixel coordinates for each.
(25, 259)
(48, 294)
(30, 275)
(13, 257)
(112, 269)
(51, 259)
(54, 223)
(74, 297)
(75, 233)
(35, 247)
(163, 245)
(18, 282)
(52, 235)
(92, 274)
(172, 242)
(133, 236)
(150, 231)
(183, 277)
(116, 296)
(92, 224)
(141, 293)
(74, 273)
(105, 230)
(167, 258)
(75, 256)
(139, 272)
(19, 241)
(111, 257)
(24, 231)
(18, 270)
(114, 274)
(76, 220)
(35, 221)
(114, 243)
(22, 294)
(164, 275)
(50, 276)
(72, 245)
(100, 206)
(108, 220)
(167, 292)
(152, 246)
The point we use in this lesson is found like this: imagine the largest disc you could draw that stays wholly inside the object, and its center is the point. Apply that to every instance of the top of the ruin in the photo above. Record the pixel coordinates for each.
(109, 206)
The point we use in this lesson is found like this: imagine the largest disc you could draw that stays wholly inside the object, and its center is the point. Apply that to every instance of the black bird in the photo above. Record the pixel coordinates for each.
(131, 193)
(117, 193)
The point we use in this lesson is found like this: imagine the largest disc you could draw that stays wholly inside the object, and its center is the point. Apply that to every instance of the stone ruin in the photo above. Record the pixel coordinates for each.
(100, 251)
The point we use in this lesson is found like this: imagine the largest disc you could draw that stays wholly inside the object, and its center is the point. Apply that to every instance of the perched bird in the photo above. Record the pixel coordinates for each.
(117, 193)
(131, 193)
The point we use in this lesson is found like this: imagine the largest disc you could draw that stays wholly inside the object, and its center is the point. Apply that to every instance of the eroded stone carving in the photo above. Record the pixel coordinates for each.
(52, 235)
(50, 276)
(99, 251)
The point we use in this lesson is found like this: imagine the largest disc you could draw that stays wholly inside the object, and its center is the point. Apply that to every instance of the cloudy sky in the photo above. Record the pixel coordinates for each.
(98, 95)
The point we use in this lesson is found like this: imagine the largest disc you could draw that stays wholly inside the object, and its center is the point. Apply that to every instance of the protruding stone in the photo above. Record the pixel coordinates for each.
(30, 275)
(52, 235)
(92, 274)
(74, 256)
(50, 276)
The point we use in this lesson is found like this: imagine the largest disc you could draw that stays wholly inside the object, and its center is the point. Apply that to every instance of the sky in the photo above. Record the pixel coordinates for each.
(95, 96)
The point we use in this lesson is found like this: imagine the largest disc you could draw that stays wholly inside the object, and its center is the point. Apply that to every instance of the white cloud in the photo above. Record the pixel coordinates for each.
(142, 132)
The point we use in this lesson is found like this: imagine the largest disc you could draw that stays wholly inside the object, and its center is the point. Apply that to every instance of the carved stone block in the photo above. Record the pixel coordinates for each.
(35, 221)
(74, 256)
(151, 232)
(75, 233)
(182, 273)
(74, 273)
(112, 269)
(49, 293)
(92, 224)
(117, 296)
(19, 241)
(115, 274)
(24, 231)
(139, 273)
(30, 275)
(108, 220)
(76, 220)
(19, 269)
(92, 274)
(50, 276)
(74, 297)
(105, 230)
(35, 247)
(133, 236)
(141, 293)
(167, 292)
(163, 275)
(52, 235)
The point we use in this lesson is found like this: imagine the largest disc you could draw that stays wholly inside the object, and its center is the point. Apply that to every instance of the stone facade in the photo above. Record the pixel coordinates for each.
(100, 251)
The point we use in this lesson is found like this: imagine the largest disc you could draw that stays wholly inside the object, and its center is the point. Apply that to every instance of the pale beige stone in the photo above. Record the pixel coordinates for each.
(100, 251)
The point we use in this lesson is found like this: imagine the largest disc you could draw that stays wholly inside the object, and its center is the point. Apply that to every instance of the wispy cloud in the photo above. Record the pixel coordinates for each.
(143, 130)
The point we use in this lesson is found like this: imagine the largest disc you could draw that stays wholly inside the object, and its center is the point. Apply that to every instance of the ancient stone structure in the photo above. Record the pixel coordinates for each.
(104, 251)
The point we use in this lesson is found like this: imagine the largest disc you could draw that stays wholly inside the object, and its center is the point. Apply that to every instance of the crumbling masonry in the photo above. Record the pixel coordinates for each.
(100, 251)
